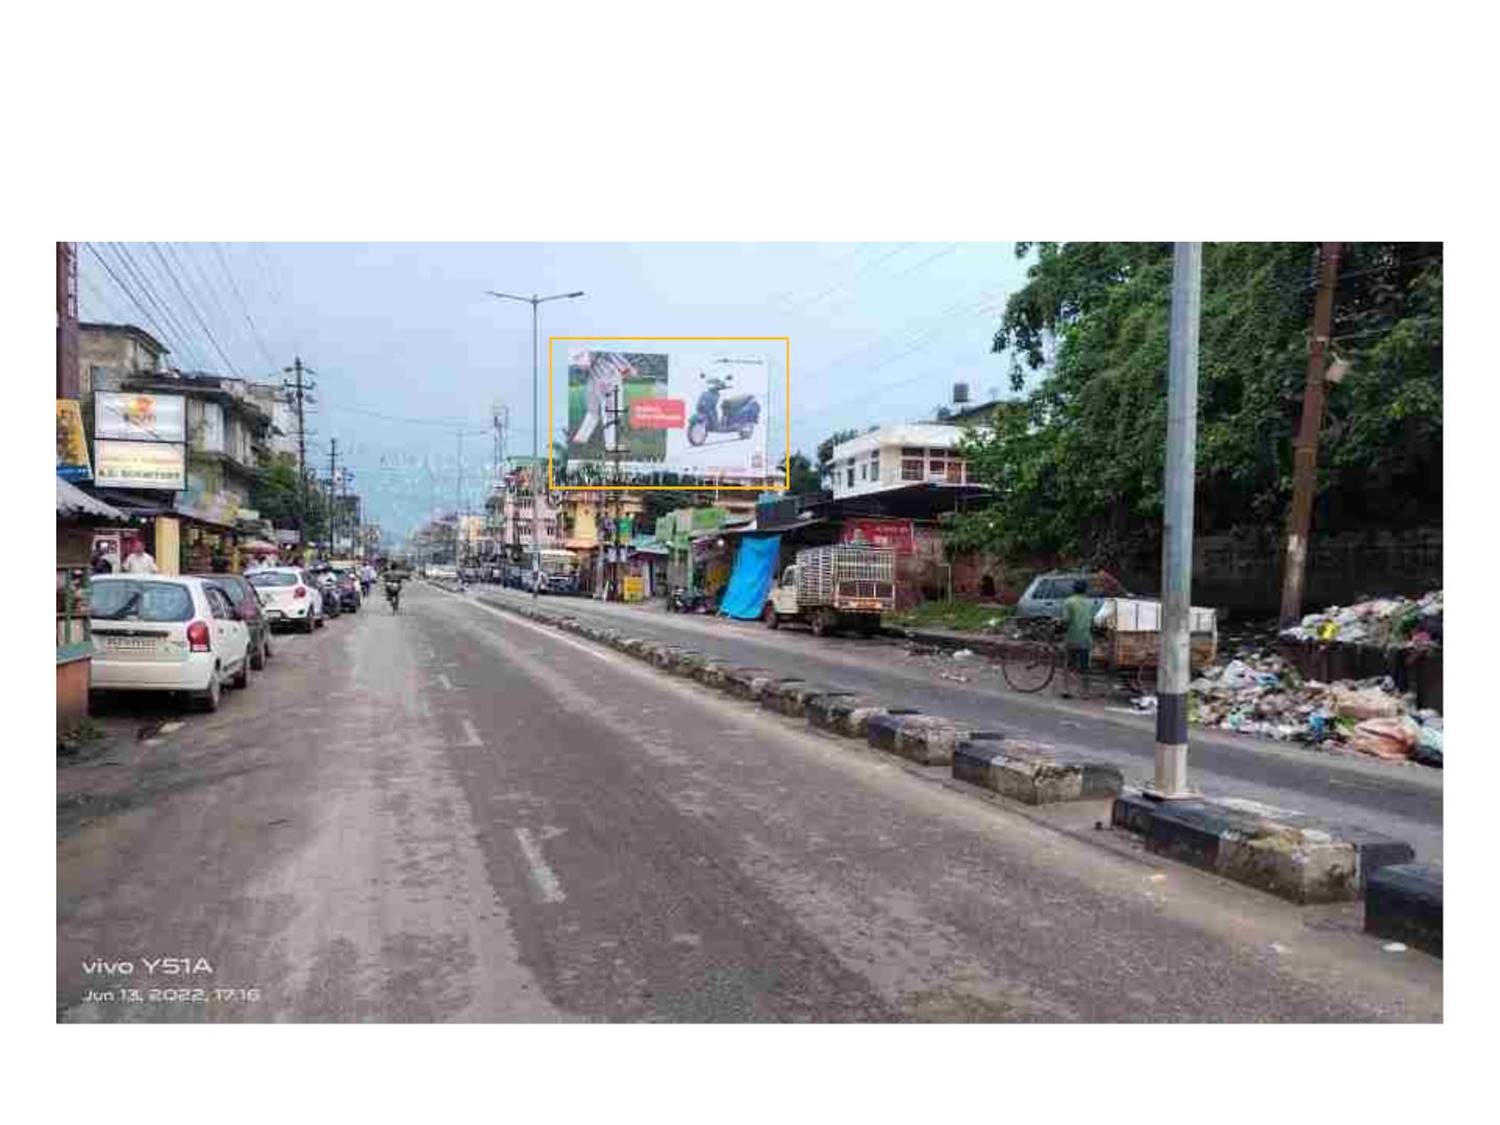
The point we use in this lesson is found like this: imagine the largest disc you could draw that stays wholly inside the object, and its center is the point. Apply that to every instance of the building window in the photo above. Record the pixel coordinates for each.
(955, 472)
(913, 451)
(911, 468)
(850, 478)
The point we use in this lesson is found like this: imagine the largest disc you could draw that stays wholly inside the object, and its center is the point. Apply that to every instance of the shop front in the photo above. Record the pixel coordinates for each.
(79, 538)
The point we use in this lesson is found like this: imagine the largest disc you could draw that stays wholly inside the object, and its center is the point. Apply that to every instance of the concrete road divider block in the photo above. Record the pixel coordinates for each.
(1291, 856)
(688, 662)
(663, 655)
(748, 683)
(928, 740)
(1404, 902)
(648, 651)
(792, 697)
(845, 715)
(1034, 773)
(712, 673)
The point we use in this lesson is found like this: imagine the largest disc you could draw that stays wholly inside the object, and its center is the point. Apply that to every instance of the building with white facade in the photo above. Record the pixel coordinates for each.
(897, 456)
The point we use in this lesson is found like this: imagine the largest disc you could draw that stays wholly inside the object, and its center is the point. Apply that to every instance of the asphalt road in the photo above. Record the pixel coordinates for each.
(454, 815)
(1400, 799)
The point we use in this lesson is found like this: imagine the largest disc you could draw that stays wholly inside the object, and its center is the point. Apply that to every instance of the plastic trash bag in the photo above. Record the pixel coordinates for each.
(1389, 738)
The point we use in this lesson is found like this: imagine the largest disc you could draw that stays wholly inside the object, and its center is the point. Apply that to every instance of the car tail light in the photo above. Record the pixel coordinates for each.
(300, 592)
(197, 635)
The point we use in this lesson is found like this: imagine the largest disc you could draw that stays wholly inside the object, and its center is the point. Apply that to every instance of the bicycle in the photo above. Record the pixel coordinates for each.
(1039, 652)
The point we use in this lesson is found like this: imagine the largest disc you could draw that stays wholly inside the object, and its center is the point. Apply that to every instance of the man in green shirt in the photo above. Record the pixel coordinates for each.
(1078, 618)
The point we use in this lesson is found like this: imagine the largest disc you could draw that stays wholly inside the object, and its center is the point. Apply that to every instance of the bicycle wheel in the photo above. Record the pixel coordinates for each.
(1031, 669)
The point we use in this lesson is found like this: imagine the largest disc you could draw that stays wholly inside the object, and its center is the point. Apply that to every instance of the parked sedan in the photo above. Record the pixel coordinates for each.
(350, 595)
(247, 602)
(166, 633)
(290, 597)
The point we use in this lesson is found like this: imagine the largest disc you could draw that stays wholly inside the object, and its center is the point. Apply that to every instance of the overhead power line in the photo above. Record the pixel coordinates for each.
(192, 308)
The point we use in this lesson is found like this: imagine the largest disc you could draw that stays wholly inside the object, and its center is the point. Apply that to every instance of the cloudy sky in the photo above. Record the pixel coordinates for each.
(412, 356)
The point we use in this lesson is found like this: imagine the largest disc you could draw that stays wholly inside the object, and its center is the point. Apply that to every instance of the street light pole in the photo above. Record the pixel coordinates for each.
(536, 517)
(1177, 525)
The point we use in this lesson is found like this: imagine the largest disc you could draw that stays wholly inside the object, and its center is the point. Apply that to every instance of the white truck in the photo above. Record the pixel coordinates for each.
(845, 586)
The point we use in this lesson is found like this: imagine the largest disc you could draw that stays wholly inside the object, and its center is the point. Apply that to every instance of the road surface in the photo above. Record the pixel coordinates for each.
(453, 815)
(1400, 799)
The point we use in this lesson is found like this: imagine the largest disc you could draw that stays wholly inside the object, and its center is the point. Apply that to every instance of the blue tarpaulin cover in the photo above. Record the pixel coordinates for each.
(750, 582)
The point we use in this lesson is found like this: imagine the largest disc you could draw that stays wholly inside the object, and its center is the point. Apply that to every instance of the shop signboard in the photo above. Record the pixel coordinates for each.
(72, 447)
(140, 464)
(138, 416)
(893, 534)
(635, 588)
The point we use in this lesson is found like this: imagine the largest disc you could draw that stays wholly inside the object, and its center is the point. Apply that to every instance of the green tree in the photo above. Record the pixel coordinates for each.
(1076, 464)
(805, 479)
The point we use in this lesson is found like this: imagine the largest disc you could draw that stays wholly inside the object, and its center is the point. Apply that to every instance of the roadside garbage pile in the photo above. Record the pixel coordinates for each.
(1258, 693)
(1384, 623)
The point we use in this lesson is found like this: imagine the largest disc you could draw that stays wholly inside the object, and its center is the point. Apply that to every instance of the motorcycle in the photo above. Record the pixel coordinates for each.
(689, 601)
(715, 415)
(393, 595)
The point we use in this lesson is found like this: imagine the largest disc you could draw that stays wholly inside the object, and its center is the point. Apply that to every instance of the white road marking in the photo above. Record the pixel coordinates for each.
(471, 734)
(447, 684)
(546, 879)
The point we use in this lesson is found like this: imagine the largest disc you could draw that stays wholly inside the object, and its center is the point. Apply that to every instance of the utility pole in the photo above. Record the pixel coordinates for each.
(536, 519)
(458, 497)
(299, 389)
(333, 511)
(1177, 525)
(1305, 463)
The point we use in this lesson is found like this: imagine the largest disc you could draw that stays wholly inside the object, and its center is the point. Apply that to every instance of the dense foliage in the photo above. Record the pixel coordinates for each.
(1077, 460)
(276, 496)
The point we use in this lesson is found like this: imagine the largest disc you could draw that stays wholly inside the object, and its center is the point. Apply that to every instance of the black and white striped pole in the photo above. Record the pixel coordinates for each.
(1173, 667)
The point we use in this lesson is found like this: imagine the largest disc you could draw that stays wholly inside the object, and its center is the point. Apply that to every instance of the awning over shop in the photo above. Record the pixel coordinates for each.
(74, 503)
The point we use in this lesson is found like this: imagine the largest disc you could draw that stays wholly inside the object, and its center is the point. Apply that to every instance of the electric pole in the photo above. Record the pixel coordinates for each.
(458, 498)
(1177, 525)
(1305, 463)
(613, 572)
(299, 389)
(333, 511)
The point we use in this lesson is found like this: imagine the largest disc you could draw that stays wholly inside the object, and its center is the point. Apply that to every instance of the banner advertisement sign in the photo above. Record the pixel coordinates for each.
(894, 534)
(634, 588)
(140, 464)
(72, 447)
(137, 416)
(695, 408)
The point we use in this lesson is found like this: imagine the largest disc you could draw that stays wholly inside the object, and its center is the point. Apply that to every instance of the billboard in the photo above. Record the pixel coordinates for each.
(137, 416)
(140, 464)
(694, 407)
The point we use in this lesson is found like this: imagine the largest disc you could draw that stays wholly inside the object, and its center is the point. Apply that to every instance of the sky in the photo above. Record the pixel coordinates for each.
(412, 356)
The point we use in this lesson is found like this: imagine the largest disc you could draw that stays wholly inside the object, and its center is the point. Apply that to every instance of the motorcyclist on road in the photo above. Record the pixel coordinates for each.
(393, 580)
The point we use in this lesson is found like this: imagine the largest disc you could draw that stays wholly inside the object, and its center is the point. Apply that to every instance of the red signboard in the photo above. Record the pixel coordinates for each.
(658, 414)
(895, 534)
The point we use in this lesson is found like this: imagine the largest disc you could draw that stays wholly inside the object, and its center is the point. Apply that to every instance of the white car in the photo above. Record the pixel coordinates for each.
(157, 632)
(290, 597)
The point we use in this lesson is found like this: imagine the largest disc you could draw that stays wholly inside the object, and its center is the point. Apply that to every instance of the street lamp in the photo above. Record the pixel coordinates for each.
(536, 514)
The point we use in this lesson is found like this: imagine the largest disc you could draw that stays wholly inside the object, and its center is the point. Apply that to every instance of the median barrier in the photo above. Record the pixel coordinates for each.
(1404, 902)
(1293, 857)
(1034, 773)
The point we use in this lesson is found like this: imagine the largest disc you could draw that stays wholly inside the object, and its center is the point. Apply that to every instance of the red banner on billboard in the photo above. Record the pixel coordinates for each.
(895, 534)
(658, 414)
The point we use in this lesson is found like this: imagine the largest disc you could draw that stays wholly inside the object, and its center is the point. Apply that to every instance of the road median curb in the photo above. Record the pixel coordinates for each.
(927, 740)
(793, 697)
(1404, 902)
(1034, 773)
(1285, 854)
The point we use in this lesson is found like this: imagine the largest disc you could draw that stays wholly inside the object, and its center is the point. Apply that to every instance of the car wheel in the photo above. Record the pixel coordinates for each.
(258, 657)
(208, 700)
(319, 622)
(242, 677)
(771, 617)
(820, 624)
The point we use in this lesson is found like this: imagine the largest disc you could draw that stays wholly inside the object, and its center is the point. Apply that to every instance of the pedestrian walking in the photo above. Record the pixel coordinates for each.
(102, 562)
(139, 560)
(1078, 621)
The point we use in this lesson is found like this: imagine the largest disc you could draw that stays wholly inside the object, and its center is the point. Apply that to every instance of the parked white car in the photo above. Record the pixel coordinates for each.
(290, 597)
(157, 632)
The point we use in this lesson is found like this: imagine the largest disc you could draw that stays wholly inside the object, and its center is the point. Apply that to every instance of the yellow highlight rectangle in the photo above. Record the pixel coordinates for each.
(786, 482)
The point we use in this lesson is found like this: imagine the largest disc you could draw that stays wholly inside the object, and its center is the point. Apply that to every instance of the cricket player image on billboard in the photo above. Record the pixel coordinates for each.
(594, 376)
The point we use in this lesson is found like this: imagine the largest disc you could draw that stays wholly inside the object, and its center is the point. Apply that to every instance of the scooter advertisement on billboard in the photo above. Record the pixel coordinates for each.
(698, 410)
(724, 431)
